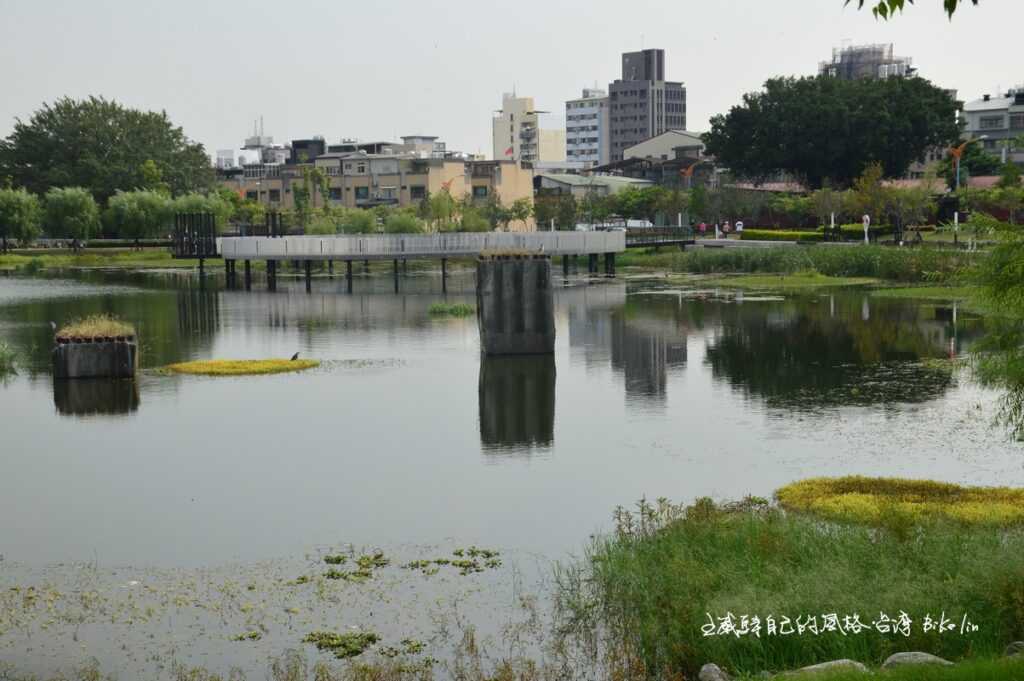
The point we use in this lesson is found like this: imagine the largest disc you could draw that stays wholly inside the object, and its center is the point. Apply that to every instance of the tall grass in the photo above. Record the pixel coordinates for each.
(896, 264)
(650, 586)
(7, 360)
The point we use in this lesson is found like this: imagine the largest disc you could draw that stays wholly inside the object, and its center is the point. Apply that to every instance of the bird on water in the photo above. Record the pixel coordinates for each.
(295, 357)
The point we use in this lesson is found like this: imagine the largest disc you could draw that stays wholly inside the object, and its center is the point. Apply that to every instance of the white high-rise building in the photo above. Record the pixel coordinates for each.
(586, 129)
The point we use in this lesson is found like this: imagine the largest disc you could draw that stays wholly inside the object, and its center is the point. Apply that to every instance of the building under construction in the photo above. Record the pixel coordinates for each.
(865, 61)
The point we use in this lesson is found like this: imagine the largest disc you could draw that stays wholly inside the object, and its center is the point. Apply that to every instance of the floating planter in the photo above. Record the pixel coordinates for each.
(241, 367)
(95, 347)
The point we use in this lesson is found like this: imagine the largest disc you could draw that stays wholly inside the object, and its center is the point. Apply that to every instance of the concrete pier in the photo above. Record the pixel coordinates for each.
(515, 305)
(95, 358)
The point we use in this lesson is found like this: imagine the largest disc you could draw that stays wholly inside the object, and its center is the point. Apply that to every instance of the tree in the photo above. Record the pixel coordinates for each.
(139, 214)
(443, 210)
(888, 8)
(19, 216)
(153, 178)
(824, 128)
(359, 222)
(213, 202)
(825, 203)
(1009, 176)
(566, 212)
(403, 222)
(71, 212)
(102, 146)
(521, 210)
(868, 196)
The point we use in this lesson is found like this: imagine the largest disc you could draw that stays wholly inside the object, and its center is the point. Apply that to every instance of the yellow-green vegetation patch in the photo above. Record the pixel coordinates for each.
(96, 326)
(241, 367)
(342, 645)
(783, 282)
(248, 636)
(451, 310)
(879, 500)
(365, 566)
(926, 292)
(466, 561)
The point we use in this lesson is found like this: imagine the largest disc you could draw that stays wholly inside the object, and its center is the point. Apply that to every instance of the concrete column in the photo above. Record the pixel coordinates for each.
(366, 266)
(309, 275)
(444, 275)
(272, 275)
(348, 275)
(515, 305)
(330, 267)
(248, 275)
(592, 263)
(565, 266)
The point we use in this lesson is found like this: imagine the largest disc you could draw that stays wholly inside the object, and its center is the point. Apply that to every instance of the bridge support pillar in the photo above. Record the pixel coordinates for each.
(330, 267)
(248, 275)
(444, 275)
(405, 266)
(309, 275)
(565, 266)
(592, 263)
(366, 266)
(515, 305)
(348, 275)
(396, 274)
(609, 264)
(272, 275)
(230, 271)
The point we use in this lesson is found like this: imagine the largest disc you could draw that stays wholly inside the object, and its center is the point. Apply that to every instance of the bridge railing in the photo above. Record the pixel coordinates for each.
(399, 246)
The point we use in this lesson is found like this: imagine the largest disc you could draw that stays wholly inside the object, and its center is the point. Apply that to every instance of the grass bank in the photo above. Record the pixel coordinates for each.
(875, 262)
(784, 282)
(926, 292)
(670, 589)
(1002, 669)
(100, 258)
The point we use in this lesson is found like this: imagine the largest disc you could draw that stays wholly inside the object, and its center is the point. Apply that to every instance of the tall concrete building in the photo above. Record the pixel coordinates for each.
(998, 122)
(866, 61)
(587, 137)
(518, 135)
(642, 103)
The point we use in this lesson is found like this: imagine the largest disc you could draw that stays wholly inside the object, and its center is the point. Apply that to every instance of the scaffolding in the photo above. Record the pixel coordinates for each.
(866, 61)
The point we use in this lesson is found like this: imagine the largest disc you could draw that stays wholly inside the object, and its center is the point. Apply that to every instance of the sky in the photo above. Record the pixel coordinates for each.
(378, 70)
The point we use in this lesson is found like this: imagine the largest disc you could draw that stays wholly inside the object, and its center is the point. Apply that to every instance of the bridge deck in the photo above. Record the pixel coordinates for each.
(410, 247)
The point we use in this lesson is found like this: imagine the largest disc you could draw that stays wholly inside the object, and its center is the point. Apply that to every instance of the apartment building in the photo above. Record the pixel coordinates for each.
(361, 180)
(997, 121)
(866, 61)
(519, 136)
(586, 129)
(642, 103)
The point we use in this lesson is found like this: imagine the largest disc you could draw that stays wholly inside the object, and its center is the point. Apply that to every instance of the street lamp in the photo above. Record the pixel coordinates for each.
(957, 153)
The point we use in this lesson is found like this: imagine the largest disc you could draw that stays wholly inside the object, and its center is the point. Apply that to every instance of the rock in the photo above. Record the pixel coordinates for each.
(712, 672)
(1015, 648)
(852, 665)
(900, 659)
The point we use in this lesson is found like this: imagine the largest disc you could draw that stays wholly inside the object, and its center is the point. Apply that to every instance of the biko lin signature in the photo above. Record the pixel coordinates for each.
(847, 625)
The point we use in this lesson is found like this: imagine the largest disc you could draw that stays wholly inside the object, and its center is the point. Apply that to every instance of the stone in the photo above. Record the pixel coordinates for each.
(712, 672)
(852, 665)
(1015, 648)
(901, 659)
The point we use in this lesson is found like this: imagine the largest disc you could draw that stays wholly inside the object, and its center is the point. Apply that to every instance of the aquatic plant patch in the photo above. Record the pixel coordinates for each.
(451, 310)
(366, 564)
(240, 367)
(885, 500)
(466, 561)
(248, 636)
(343, 646)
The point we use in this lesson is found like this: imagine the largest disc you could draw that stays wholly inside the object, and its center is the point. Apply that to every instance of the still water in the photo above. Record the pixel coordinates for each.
(405, 435)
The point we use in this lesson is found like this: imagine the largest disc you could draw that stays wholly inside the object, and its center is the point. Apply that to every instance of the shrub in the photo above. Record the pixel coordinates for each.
(96, 326)
(7, 359)
(780, 235)
(359, 222)
(403, 223)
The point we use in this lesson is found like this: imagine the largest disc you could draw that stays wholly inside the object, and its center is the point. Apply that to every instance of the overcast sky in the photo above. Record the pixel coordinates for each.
(377, 70)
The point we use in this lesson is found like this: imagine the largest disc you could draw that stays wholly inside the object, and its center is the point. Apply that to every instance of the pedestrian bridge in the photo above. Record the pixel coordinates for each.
(418, 246)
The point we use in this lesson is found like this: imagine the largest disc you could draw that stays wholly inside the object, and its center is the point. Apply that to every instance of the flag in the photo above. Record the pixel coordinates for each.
(509, 151)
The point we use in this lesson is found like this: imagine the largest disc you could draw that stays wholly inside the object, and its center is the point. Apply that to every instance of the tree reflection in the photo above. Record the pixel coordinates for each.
(840, 351)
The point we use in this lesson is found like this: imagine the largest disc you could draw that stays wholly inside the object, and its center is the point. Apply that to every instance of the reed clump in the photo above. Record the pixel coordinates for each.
(96, 326)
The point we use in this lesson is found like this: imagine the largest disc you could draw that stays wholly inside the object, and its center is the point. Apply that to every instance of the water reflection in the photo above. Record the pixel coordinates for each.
(809, 353)
(517, 402)
(96, 397)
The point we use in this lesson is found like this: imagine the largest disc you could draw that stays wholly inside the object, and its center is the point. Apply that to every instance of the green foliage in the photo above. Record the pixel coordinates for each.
(443, 211)
(403, 222)
(139, 214)
(451, 309)
(7, 360)
(521, 210)
(70, 212)
(652, 586)
(350, 644)
(868, 196)
(359, 222)
(887, 8)
(20, 214)
(213, 202)
(103, 147)
(561, 208)
(1009, 176)
(824, 128)
(473, 221)
(780, 235)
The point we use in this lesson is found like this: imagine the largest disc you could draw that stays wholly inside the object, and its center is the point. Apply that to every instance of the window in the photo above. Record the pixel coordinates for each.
(417, 192)
(991, 122)
(362, 193)
(1017, 121)
(251, 196)
(360, 167)
(479, 192)
(275, 195)
(334, 193)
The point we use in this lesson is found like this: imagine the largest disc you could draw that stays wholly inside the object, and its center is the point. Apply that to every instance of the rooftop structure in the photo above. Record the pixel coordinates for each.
(866, 61)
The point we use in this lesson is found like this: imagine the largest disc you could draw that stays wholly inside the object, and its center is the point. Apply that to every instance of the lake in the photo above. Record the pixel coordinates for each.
(405, 437)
